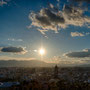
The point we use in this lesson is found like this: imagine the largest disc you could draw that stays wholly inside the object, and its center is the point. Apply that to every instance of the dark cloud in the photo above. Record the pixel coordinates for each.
(13, 50)
(81, 54)
(75, 16)
(52, 18)
(88, 1)
(47, 19)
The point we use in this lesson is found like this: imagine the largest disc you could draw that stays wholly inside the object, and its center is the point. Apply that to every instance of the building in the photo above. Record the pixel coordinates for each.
(56, 72)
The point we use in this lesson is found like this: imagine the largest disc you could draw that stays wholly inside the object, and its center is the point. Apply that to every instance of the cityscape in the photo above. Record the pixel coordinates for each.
(50, 78)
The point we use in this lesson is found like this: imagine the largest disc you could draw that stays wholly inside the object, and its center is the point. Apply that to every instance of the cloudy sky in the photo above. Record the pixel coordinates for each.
(61, 27)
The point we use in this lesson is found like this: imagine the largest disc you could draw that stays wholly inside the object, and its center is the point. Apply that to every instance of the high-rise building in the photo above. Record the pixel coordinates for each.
(56, 72)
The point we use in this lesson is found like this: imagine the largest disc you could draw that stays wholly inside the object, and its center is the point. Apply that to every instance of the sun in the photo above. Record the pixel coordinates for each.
(42, 51)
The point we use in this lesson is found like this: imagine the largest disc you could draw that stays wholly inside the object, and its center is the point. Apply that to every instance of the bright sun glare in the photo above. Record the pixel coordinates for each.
(42, 51)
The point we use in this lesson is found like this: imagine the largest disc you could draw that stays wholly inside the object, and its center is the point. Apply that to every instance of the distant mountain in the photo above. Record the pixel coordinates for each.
(24, 63)
(36, 63)
(85, 65)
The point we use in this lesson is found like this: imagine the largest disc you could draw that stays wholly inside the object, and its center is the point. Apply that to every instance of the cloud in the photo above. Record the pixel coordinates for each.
(16, 50)
(82, 54)
(52, 18)
(42, 31)
(12, 39)
(67, 61)
(75, 16)
(16, 58)
(47, 19)
(35, 50)
(88, 33)
(77, 34)
(88, 26)
(3, 3)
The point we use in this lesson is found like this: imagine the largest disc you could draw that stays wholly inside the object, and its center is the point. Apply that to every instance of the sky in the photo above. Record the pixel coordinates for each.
(61, 27)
